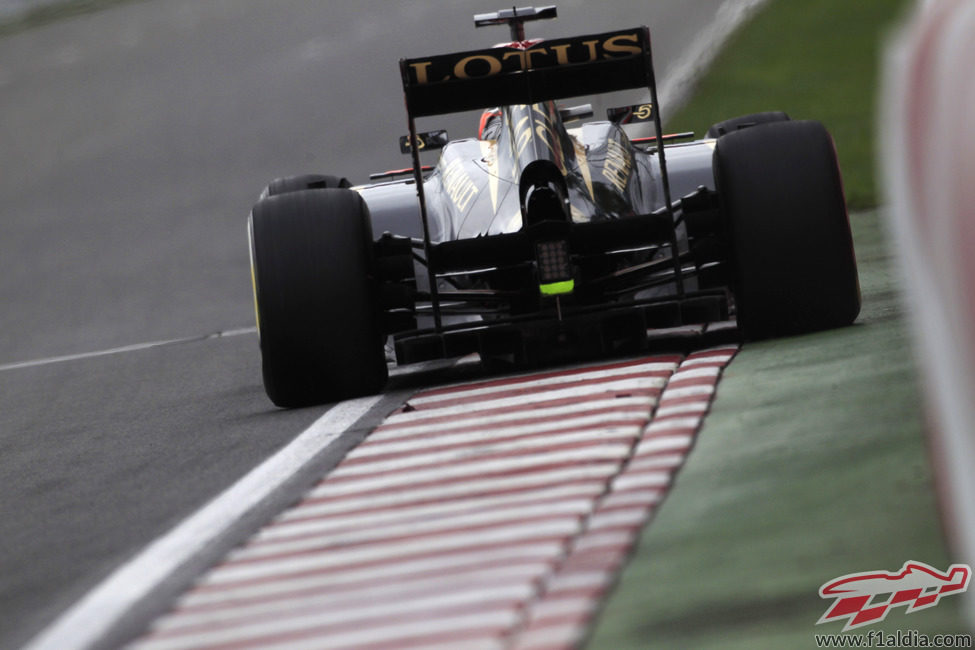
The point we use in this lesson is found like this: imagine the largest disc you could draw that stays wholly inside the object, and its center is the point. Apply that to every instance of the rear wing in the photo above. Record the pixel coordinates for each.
(532, 72)
(546, 70)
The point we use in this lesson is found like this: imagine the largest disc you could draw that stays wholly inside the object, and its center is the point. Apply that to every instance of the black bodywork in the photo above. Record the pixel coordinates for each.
(539, 238)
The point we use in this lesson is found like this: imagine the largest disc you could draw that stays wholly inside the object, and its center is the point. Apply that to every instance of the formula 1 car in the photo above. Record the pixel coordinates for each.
(536, 239)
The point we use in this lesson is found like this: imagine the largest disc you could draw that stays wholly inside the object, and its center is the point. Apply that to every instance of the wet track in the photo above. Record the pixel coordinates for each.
(134, 141)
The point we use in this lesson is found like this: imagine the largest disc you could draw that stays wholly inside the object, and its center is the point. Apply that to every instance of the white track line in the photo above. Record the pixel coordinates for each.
(102, 608)
(677, 86)
(125, 348)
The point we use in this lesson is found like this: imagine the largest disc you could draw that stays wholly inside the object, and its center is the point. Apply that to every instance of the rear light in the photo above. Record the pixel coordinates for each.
(554, 268)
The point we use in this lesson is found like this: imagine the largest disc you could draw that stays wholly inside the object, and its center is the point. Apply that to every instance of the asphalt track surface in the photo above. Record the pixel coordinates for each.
(133, 141)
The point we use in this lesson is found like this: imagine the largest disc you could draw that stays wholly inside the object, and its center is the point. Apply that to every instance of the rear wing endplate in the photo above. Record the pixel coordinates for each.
(547, 70)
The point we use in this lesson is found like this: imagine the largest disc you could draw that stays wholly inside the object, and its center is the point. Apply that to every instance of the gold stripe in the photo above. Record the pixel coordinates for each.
(489, 154)
(583, 162)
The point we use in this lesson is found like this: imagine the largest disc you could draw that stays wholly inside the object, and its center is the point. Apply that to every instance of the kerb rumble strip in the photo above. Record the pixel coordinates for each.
(489, 515)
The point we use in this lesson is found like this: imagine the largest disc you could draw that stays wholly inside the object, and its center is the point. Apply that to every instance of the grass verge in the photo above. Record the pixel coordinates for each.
(812, 463)
(810, 466)
(814, 59)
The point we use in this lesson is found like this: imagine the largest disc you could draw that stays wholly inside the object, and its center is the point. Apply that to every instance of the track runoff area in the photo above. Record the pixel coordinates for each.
(489, 514)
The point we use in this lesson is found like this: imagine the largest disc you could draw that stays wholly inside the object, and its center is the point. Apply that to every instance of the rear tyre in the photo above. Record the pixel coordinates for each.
(315, 296)
(793, 266)
(744, 122)
(303, 182)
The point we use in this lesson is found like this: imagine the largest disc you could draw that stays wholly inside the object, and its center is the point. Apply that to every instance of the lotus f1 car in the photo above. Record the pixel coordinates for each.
(545, 234)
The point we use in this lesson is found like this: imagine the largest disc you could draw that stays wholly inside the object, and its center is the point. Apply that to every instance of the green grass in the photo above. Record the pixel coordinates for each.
(813, 462)
(49, 13)
(814, 59)
(811, 465)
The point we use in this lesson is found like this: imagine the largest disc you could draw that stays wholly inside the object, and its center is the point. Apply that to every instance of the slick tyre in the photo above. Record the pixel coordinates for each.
(315, 296)
(303, 182)
(791, 251)
(744, 122)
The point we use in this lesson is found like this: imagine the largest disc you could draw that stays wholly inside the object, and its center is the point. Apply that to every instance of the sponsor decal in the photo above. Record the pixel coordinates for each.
(429, 140)
(539, 126)
(630, 114)
(866, 598)
(458, 184)
(486, 63)
(617, 166)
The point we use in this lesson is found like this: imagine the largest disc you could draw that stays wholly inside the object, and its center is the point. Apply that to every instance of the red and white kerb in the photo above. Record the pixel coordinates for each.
(489, 515)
